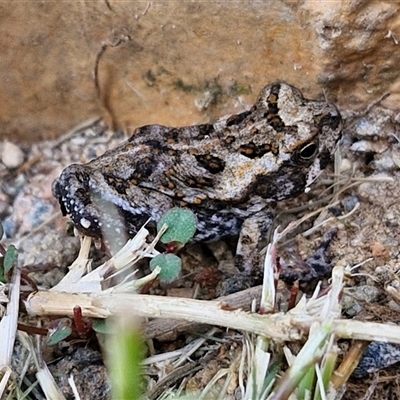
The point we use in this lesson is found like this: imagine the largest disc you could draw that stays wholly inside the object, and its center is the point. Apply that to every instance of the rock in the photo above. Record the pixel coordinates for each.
(354, 298)
(12, 156)
(178, 63)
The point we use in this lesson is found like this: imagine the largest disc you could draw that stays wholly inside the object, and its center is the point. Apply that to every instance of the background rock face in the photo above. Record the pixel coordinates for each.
(185, 62)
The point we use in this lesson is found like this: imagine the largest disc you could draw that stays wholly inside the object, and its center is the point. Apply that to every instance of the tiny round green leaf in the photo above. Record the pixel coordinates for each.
(62, 331)
(101, 325)
(181, 225)
(2, 276)
(170, 265)
(10, 258)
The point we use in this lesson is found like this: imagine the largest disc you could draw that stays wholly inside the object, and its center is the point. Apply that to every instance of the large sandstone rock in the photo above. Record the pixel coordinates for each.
(185, 62)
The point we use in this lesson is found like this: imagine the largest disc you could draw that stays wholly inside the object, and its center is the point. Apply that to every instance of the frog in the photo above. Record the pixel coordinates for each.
(230, 172)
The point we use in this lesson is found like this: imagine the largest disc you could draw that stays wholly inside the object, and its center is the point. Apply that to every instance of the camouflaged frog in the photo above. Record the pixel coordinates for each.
(229, 173)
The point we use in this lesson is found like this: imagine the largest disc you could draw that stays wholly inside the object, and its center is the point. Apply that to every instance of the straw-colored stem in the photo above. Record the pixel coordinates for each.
(279, 326)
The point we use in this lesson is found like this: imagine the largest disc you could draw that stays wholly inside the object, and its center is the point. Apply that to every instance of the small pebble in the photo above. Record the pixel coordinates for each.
(12, 156)
(350, 202)
(367, 146)
(354, 298)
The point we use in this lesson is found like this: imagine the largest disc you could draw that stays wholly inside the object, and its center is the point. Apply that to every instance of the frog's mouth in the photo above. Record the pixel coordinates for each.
(92, 213)
(73, 194)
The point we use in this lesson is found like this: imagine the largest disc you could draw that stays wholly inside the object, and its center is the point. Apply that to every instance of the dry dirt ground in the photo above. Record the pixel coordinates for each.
(366, 215)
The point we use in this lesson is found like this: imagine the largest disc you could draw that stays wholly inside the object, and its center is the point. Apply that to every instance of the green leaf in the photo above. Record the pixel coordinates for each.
(181, 225)
(126, 353)
(10, 259)
(170, 265)
(2, 276)
(101, 325)
(61, 332)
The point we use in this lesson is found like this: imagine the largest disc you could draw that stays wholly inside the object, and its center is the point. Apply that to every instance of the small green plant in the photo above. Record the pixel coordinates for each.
(8, 260)
(126, 353)
(77, 327)
(181, 227)
(126, 346)
(170, 265)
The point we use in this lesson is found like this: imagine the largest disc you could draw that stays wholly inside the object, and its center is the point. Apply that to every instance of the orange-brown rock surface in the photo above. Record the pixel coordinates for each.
(184, 62)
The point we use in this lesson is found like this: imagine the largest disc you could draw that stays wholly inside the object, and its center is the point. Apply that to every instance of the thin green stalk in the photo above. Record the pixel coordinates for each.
(125, 355)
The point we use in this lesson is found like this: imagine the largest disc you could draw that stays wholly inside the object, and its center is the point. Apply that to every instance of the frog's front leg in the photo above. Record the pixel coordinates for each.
(248, 260)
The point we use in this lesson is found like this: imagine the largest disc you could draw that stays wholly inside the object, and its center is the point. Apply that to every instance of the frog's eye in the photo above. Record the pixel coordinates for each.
(308, 151)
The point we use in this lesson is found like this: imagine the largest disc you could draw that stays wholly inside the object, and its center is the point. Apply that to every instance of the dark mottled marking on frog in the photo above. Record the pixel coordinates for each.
(254, 131)
(120, 185)
(155, 145)
(211, 163)
(246, 239)
(228, 141)
(251, 150)
(143, 169)
(238, 118)
(132, 221)
(143, 130)
(324, 159)
(218, 225)
(272, 115)
(172, 135)
(332, 121)
(172, 152)
(80, 194)
(204, 130)
(199, 182)
(277, 188)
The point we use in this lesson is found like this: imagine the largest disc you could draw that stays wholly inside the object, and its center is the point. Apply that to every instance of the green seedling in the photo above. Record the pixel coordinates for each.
(67, 328)
(8, 260)
(181, 225)
(170, 265)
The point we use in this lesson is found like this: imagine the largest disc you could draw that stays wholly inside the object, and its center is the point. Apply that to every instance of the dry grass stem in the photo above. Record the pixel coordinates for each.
(43, 375)
(80, 278)
(279, 327)
(157, 328)
(348, 365)
(8, 329)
